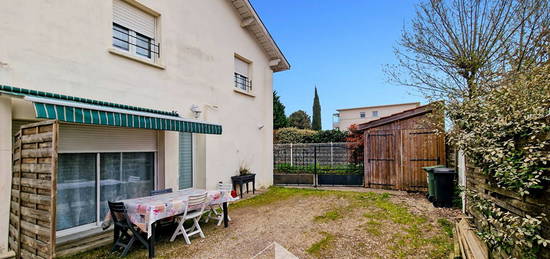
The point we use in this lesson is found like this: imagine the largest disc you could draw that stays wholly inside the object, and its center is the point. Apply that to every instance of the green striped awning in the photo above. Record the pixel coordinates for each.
(86, 111)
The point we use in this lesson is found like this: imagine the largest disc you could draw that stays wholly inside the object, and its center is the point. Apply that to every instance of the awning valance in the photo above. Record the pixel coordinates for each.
(67, 109)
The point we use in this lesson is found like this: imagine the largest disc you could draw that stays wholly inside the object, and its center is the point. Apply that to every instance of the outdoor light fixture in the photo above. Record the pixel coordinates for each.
(196, 111)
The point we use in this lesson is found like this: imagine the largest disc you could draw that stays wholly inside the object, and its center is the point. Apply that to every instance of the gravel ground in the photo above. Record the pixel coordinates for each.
(318, 226)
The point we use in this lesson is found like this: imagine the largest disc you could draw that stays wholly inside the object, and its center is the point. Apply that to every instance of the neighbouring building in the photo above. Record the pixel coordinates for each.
(149, 95)
(346, 117)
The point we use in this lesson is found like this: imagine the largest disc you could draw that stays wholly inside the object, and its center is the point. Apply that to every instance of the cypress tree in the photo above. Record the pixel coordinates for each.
(316, 121)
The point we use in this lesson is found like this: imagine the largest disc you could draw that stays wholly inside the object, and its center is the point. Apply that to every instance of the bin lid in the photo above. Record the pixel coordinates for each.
(444, 170)
(430, 168)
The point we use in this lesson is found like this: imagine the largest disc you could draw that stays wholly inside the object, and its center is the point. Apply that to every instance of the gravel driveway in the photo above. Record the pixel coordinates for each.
(319, 224)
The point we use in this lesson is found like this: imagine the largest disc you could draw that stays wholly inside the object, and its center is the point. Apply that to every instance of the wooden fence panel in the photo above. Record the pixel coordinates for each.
(534, 204)
(32, 209)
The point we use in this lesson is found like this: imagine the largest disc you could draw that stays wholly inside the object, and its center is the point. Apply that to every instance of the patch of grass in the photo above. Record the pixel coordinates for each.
(373, 227)
(275, 194)
(321, 245)
(447, 226)
(329, 215)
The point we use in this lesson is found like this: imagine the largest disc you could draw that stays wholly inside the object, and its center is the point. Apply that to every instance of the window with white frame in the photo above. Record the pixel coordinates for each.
(362, 114)
(134, 31)
(242, 78)
(374, 113)
(86, 181)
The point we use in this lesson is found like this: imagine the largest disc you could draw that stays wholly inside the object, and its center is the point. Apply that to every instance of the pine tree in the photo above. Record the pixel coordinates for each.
(316, 122)
(279, 117)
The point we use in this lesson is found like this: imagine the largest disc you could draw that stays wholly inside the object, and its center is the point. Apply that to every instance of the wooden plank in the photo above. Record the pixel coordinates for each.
(35, 198)
(37, 138)
(36, 183)
(53, 188)
(39, 152)
(36, 168)
(36, 244)
(36, 229)
(37, 214)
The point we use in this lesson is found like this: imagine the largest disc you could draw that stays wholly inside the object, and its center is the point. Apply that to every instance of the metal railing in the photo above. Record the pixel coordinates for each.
(243, 83)
(151, 46)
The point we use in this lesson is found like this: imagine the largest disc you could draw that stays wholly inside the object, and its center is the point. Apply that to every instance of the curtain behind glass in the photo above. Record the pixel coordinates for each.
(76, 190)
(125, 176)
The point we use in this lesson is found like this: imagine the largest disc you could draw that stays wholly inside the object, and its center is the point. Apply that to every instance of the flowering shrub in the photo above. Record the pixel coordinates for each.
(506, 232)
(505, 131)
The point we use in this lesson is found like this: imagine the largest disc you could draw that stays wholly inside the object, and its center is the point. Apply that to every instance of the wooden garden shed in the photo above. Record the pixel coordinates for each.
(399, 145)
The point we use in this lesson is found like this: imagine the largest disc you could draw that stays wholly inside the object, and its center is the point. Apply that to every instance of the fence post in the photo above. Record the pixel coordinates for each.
(315, 166)
(331, 154)
(291, 156)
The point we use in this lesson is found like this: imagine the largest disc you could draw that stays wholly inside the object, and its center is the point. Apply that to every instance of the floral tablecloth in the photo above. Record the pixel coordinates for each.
(144, 211)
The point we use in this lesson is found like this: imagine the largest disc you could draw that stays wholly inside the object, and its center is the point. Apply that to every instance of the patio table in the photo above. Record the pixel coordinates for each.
(144, 212)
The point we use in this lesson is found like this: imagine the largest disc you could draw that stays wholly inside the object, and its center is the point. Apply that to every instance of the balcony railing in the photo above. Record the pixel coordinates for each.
(139, 43)
(243, 83)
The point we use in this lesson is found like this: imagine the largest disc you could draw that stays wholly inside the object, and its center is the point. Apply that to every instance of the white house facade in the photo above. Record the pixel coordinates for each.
(150, 95)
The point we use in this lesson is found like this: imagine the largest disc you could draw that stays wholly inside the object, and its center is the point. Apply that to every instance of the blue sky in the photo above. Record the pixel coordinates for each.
(339, 45)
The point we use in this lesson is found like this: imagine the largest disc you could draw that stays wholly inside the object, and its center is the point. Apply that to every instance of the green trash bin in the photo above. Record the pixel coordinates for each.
(430, 178)
(444, 186)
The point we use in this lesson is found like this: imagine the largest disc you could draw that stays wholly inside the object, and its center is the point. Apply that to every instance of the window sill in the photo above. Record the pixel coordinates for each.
(132, 57)
(237, 90)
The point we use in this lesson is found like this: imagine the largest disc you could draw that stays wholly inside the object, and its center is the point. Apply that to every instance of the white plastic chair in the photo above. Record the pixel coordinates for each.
(195, 201)
(214, 208)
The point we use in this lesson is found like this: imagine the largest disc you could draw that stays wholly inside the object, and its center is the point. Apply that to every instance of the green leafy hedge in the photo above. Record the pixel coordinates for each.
(346, 169)
(294, 135)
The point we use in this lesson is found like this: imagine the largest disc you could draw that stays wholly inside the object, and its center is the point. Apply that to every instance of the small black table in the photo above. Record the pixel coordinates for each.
(244, 179)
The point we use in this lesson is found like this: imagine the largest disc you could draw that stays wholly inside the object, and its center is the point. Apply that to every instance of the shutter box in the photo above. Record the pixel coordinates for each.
(134, 19)
(82, 138)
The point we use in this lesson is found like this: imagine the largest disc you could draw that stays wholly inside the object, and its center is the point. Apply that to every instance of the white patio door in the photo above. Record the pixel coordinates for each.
(100, 164)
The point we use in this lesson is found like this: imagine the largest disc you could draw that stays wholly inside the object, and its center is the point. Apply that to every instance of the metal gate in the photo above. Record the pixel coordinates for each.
(394, 158)
(317, 164)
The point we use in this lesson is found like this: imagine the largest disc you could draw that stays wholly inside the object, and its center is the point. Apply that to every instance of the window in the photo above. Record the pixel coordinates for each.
(374, 113)
(134, 30)
(242, 78)
(362, 114)
(82, 201)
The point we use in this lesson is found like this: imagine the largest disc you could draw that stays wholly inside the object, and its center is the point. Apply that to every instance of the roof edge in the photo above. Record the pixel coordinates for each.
(378, 106)
(420, 110)
(280, 62)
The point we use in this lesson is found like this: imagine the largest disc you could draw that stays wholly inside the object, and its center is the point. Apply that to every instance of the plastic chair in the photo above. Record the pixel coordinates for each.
(214, 208)
(122, 225)
(196, 203)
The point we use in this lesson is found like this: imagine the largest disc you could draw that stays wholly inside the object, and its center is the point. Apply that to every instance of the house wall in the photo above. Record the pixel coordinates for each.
(352, 116)
(5, 170)
(64, 47)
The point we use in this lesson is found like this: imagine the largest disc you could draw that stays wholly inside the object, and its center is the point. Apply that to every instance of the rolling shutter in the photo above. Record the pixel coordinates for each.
(241, 67)
(186, 160)
(133, 18)
(80, 138)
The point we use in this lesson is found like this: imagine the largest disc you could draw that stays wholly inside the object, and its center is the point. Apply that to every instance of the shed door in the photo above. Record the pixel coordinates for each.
(420, 148)
(381, 159)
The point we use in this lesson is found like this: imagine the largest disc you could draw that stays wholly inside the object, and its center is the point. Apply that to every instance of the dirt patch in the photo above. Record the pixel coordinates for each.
(313, 224)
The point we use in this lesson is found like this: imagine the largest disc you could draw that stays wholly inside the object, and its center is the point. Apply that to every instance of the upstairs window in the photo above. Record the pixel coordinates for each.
(242, 78)
(374, 113)
(134, 31)
(362, 114)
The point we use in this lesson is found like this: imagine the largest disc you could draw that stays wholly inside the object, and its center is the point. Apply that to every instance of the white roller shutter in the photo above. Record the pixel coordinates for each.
(80, 138)
(133, 18)
(241, 67)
